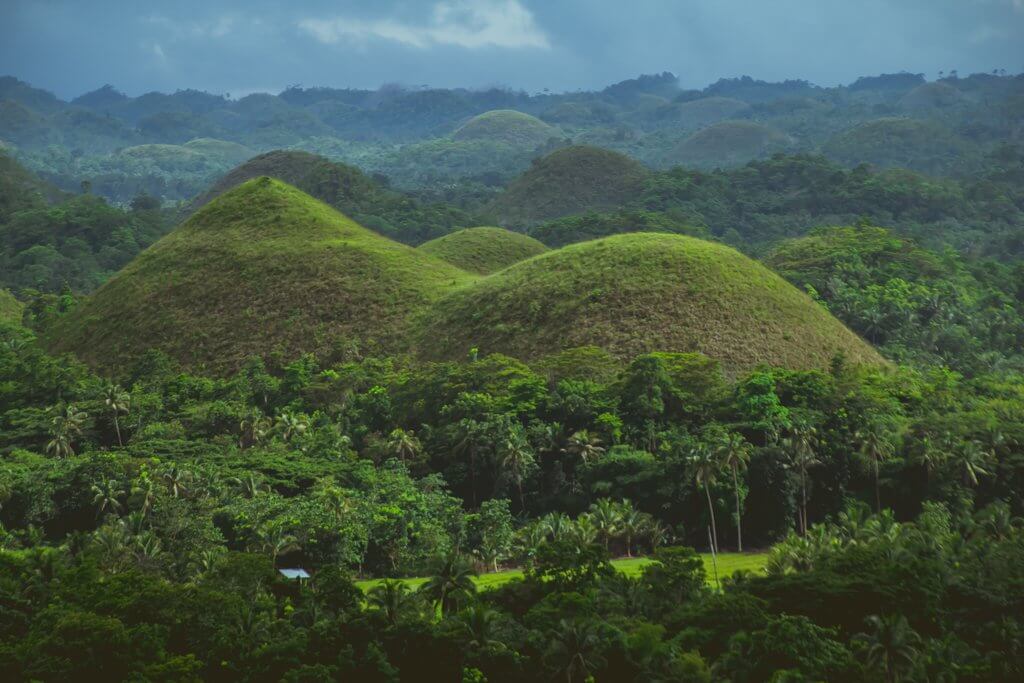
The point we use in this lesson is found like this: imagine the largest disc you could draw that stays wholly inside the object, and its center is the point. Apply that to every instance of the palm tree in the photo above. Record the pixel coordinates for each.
(972, 460)
(734, 452)
(705, 472)
(205, 561)
(476, 626)
(334, 498)
(473, 435)
(584, 445)
(632, 522)
(573, 650)
(289, 425)
(176, 480)
(452, 581)
(65, 427)
(606, 517)
(657, 533)
(403, 444)
(392, 597)
(931, 454)
(876, 446)
(890, 645)
(583, 532)
(254, 428)
(555, 524)
(276, 542)
(117, 401)
(144, 491)
(517, 461)
(106, 496)
(801, 444)
(249, 486)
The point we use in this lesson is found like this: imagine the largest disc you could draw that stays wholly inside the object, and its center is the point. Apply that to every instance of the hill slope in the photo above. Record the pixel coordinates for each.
(636, 293)
(10, 308)
(567, 181)
(347, 189)
(508, 126)
(905, 143)
(263, 268)
(728, 143)
(483, 250)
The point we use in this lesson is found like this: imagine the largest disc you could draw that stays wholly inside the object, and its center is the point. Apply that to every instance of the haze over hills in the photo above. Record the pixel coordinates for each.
(632, 294)
(262, 269)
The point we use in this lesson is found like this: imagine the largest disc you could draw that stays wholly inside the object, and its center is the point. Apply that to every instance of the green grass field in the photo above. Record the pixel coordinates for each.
(728, 564)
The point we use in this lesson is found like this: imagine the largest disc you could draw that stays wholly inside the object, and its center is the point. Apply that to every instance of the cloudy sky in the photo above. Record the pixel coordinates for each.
(237, 47)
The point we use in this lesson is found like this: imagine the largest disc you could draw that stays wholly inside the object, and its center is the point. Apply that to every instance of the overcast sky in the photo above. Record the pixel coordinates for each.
(237, 47)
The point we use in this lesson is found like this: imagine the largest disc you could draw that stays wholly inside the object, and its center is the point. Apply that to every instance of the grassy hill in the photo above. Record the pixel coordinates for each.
(223, 150)
(708, 110)
(635, 293)
(261, 269)
(508, 126)
(10, 308)
(570, 180)
(905, 143)
(347, 189)
(728, 143)
(483, 250)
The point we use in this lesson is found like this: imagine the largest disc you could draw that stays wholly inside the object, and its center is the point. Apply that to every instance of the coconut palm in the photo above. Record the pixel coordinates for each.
(65, 427)
(584, 445)
(890, 645)
(583, 532)
(334, 498)
(606, 518)
(801, 444)
(656, 533)
(574, 650)
(876, 446)
(107, 496)
(706, 468)
(289, 425)
(275, 541)
(972, 459)
(250, 485)
(177, 480)
(517, 461)
(254, 428)
(403, 444)
(117, 401)
(392, 598)
(734, 452)
(555, 524)
(477, 625)
(451, 582)
(632, 523)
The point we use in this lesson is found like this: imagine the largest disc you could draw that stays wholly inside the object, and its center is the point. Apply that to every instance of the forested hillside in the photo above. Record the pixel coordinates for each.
(730, 388)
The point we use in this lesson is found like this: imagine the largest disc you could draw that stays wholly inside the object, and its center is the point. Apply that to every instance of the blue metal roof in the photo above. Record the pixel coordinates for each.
(294, 573)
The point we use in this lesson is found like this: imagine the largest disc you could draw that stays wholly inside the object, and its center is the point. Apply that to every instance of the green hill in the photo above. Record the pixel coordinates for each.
(728, 143)
(708, 110)
(508, 126)
(483, 250)
(635, 293)
(904, 143)
(570, 180)
(347, 189)
(931, 96)
(21, 189)
(222, 150)
(262, 269)
(10, 308)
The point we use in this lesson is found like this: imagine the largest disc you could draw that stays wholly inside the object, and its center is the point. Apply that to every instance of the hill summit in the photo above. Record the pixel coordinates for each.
(568, 181)
(636, 293)
(263, 268)
(483, 250)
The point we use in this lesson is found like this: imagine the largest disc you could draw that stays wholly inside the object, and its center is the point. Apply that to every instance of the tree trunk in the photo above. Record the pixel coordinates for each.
(117, 428)
(522, 499)
(878, 495)
(711, 511)
(803, 504)
(739, 514)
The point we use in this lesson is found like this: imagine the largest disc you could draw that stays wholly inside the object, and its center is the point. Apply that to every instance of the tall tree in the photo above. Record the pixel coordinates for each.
(117, 401)
(705, 472)
(734, 452)
(801, 445)
(65, 428)
(450, 583)
(403, 444)
(877, 446)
